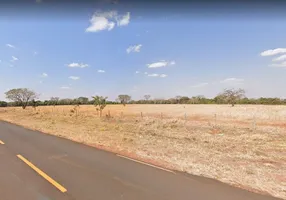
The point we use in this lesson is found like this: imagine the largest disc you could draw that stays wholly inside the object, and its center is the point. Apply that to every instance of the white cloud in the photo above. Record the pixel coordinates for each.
(106, 21)
(280, 58)
(161, 63)
(157, 75)
(199, 85)
(228, 80)
(272, 52)
(283, 64)
(11, 65)
(123, 20)
(135, 48)
(44, 75)
(10, 45)
(137, 72)
(0, 61)
(153, 75)
(65, 87)
(100, 71)
(40, 82)
(35, 53)
(79, 65)
(74, 77)
(14, 59)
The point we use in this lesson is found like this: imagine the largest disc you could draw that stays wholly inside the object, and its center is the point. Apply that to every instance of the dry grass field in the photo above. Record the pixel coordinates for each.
(243, 145)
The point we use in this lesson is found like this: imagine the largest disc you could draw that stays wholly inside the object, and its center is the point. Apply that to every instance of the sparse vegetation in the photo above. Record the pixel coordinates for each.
(216, 141)
(241, 141)
(99, 103)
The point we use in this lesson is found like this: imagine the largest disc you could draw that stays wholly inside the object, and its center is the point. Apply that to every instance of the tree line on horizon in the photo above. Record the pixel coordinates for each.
(24, 97)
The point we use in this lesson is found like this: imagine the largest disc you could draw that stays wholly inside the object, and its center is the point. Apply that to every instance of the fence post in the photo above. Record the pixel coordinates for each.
(215, 118)
(254, 123)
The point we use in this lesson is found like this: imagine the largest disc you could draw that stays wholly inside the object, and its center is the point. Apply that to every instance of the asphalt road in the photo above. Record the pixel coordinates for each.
(37, 166)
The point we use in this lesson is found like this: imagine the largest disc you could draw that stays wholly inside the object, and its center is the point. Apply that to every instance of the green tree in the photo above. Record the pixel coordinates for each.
(34, 104)
(184, 100)
(83, 100)
(21, 96)
(99, 103)
(65, 101)
(3, 104)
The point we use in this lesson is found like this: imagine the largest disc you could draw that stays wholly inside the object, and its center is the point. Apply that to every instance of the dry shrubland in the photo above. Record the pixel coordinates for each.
(243, 145)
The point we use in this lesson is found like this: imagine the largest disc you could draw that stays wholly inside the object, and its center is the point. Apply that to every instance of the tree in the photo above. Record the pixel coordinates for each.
(83, 100)
(54, 101)
(219, 99)
(147, 97)
(34, 104)
(99, 103)
(3, 104)
(184, 100)
(21, 96)
(178, 98)
(124, 99)
(65, 101)
(231, 96)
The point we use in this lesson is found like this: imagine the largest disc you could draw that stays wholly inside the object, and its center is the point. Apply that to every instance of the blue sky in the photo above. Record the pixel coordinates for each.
(111, 49)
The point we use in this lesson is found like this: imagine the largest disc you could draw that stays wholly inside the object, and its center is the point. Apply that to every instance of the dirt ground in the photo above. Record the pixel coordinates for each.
(243, 145)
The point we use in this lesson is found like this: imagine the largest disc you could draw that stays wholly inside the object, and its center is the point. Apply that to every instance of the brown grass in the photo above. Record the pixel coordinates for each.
(243, 146)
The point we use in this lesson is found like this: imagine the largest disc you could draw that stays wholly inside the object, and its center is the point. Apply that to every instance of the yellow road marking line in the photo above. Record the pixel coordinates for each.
(146, 163)
(43, 174)
(1, 142)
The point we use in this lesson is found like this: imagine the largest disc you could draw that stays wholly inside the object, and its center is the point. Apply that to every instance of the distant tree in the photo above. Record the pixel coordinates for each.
(178, 99)
(65, 101)
(34, 104)
(124, 99)
(54, 101)
(231, 96)
(21, 96)
(99, 103)
(198, 99)
(147, 97)
(83, 100)
(220, 99)
(184, 100)
(3, 104)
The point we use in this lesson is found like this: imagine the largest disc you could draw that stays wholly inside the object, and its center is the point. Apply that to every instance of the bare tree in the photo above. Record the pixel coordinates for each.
(99, 103)
(124, 99)
(231, 96)
(21, 96)
(54, 100)
(147, 97)
(178, 98)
